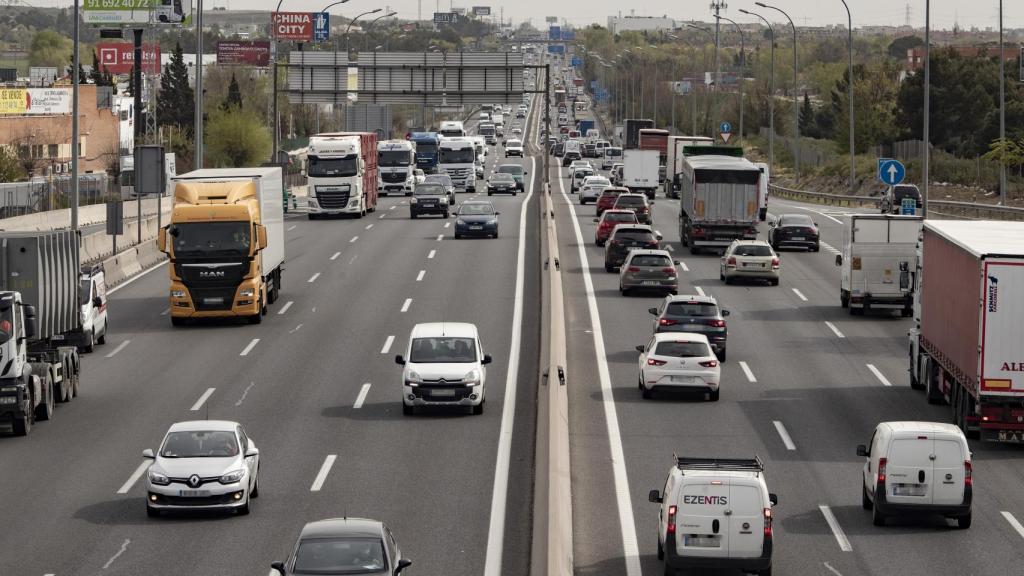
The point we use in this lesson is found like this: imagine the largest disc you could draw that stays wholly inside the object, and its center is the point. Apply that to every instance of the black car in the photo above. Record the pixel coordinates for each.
(590, 151)
(429, 198)
(476, 218)
(569, 157)
(557, 149)
(638, 204)
(794, 230)
(626, 237)
(501, 183)
(892, 198)
(696, 314)
(344, 546)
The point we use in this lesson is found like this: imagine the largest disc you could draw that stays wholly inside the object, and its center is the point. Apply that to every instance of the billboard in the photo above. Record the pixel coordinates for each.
(35, 101)
(119, 57)
(135, 12)
(445, 17)
(551, 19)
(296, 26)
(555, 33)
(251, 52)
(481, 10)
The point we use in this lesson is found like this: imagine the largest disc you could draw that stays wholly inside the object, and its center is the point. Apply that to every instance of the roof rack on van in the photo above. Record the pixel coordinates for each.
(739, 464)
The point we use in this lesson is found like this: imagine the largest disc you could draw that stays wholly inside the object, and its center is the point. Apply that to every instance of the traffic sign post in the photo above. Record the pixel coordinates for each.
(725, 129)
(891, 171)
(321, 26)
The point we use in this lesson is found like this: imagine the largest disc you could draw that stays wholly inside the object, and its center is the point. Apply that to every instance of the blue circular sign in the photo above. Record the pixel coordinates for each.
(725, 128)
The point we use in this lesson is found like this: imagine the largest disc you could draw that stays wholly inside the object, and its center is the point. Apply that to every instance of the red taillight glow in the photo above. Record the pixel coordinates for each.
(709, 363)
(881, 470)
(968, 474)
(655, 362)
(775, 262)
(667, 322)
(671, 523)
(768, 522)
(697, 232)
(717, 323)
(731, 261)
(632, 269)
(669, 271)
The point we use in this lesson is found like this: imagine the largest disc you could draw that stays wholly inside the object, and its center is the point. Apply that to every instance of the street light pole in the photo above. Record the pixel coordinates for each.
(771, 94)
(927, 106)
(1002, 108)
(849, 98)
(349, 28)
(712, 101)
(743, 67)
(198, 136)
(74, 124)
(366, 36)
(796, 96)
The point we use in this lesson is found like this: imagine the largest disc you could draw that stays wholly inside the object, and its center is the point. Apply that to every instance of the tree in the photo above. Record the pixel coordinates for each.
(808, 125)
(236, 138)
(234, 97)
(49, 48)
(898, 47)
(11, 169)
(175, 105)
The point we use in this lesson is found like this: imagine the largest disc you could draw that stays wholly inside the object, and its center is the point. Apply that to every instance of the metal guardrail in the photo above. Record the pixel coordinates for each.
(950, 208)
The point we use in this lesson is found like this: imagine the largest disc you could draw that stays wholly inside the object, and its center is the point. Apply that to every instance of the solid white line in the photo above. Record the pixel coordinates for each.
(837, 530)
(836, 220)
(120, 347)
(249, 347)
(829, 247)
(387, 344)
(285, 308)
(784, 435)
(335, 256)
(1013, 522)
(684, 266)
(354, 238)
(799, 295)
(321, 476)
(834, 329)
(202, 399)
(368, 226)
(746, 370)
(447, 224)
(432, 252)
(313, 278)
(419, 277)
(292, 227)
(136, 277)
(134, 477)
(699, 290)
(878, 374)
(832, 570)
(630, 549)
(440, 237)
(406, 304)
(362, 396)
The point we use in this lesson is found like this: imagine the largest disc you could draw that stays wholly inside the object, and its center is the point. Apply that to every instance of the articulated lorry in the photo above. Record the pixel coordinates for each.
(965, 350)
(632, 132)
(879, 253)
(40, 314)
(675, 152)
(426, 150)
(342, 174)
(225, 243)
(720, 198)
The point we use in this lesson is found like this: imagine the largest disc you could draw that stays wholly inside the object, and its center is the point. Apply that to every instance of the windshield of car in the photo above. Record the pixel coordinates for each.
(582, 173)
(620, 216)
(502, 177)
(6, 323)
(650, 260)
(611, 152)
(901, 192)
(692, 309)
(612, 193)
(430, 189)
(200, 444)
(211, 239)
(339, 556)
(511, 169)
(637, 234)
(473, 209)
(326, 167)
(461, 156)
(752, 250)
(513, 144)
(393, 158)
(442, 179)
(796, 220)
(442, 349)
(426, 147)
(630, 201)
(682, 349)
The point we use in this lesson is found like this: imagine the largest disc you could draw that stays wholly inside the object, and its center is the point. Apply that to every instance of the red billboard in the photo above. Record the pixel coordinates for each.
(292, 26)
(119, 57)
(251, 52)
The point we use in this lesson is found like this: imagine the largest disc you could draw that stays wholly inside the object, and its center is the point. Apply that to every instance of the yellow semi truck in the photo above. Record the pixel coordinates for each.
(225, 242)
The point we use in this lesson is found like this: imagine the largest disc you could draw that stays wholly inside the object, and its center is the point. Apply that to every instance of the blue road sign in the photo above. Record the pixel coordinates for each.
(556, 48)
(576, 61)
(725, 128)
(321, 26)
(555, 33)
(890, 171)
(908, 206)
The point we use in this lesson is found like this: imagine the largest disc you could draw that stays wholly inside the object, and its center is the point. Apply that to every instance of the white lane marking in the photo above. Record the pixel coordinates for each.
(432, 253)
(829, 247)
(832, 570)
(248, 348)
(165, 312)
(354, 238)
(124, 546)
(120, 347)
(335, 256)
(836, 220)
(684, 266)
(1013, 522)
(419, 277)
(296, 329)
(393, 207)
(799, 295)
(630, 549)
(245, 393)
(499, 498)
(834, 329)
(447, 224)
(878, 374)
(202, 400)
(285, 308)
(353, 259)
(134, 278)
(387, 345)
(440, 237)
(134, 477)
(699, 290)
(747, 372)
(362, 396)
(321, 476)
(837, 530)
(383, 215)
(313, 278)
(406, 304)
(368, 226)
(292, 227)
(784, 435)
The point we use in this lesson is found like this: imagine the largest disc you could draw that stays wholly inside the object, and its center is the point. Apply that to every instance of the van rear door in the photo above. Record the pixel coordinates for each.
(909, 470)
(746, 523)
(702, 527)
(948, 471)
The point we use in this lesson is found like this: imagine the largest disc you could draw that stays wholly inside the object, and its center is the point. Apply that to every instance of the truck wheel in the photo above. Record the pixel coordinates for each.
(713, 395)
(256, 318)
(907, 312)
(856, 311)
(408, 410)
(915, 383)
(932, 392)
(844, 299)
(22, 425)
(103, 337)
(44, 411)
(694, 250)
(478, 409)
(311, 216)
(661, 551)
(75, 382)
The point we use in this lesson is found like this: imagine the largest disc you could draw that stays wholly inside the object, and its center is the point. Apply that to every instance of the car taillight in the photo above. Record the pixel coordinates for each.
(768, 522)
(615, 242)
(709, 363)
(653, 243)
(968, 474)
(731, 261)
(717, 323)
(697, 232)
(671, 522)
(670, 271)
(654, 362)
(632, 269)
(667, 322)
(775, 262)
(881, 470)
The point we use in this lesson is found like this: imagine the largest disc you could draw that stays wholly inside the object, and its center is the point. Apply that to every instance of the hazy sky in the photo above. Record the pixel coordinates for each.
(969, 13)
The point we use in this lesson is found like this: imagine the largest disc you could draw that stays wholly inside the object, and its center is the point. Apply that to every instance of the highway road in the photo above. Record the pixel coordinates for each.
(317, 389)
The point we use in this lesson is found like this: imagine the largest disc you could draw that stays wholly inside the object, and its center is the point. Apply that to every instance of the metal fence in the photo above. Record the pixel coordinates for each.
(44, 194)
(939, 208)
(816, 153)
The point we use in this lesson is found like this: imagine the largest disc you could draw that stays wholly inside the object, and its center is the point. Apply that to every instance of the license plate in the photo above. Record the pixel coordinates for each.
(217, 300)
(1010, 436)
(476, 227)
(797, 238)
(702, 542)
(443, 392)
(650, 282)
(57, 337)
(8, 399)
(693, 326)
(752, 265)
(193, 493)
(682, 379)
(909, 490)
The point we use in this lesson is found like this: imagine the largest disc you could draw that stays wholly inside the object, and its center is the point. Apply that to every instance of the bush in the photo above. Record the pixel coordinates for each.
(236, 138)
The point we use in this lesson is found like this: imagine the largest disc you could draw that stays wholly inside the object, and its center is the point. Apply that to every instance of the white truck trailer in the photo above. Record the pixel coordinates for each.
(879, 252)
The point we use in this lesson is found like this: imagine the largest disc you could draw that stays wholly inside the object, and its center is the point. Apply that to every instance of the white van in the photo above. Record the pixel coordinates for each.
(762, 186)
(715, 513)
(917, 468)
(93, 299)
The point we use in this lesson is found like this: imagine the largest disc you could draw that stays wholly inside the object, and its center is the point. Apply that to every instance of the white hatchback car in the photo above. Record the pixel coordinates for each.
(678, 361)
(202, 465)
(444, 366)
(750, 259)
(591, 188)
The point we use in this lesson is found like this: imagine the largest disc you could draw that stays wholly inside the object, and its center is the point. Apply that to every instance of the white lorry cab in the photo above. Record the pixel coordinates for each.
(396, 165)
(715, 513)
(917, 468)
(452, 129)
(456, 157)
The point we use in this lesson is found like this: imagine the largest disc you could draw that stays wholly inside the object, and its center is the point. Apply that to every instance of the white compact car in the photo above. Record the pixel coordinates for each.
(202, 465)
(679, 361)
(513, 148)
(715, 514)
(591, 188)
(750, 259)
(917, 468)
(444, 366)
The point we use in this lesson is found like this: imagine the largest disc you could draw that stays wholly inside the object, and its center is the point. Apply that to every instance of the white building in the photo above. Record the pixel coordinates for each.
(620, 23)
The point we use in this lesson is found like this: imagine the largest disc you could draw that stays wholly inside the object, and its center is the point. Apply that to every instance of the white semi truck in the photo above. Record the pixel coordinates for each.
(396, 165)
(456, 157)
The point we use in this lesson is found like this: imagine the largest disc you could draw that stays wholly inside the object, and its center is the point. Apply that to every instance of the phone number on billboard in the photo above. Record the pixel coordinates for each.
(120, 4)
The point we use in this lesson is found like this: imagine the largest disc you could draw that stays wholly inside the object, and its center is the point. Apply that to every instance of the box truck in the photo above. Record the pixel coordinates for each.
(40, 312)
(640, 171)
(879, 252)
(675, 152)
(342, 174)
(225, 242)
(632, 131)
(719, 201)
(965, 348)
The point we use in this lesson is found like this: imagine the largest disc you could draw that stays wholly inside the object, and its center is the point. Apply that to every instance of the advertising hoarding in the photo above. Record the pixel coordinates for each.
(135, 12)
(119, 57)
(35, 101)
(445, 17)
(296, 26)
(481, 10)
(250, 52)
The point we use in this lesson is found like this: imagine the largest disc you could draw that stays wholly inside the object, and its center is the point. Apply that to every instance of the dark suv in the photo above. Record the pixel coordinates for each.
(638, 204)
(429, 199)
(626, 237)
(892, 198)
(693, 313)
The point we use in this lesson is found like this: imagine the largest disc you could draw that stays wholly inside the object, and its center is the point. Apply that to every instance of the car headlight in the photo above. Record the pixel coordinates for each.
(444, 200)
(413, 379)
(412, 200)
(472, 378)
(232, 477)
(492, 222)
(460, 222)
(177, 293)
(246, 292)
(158, 478)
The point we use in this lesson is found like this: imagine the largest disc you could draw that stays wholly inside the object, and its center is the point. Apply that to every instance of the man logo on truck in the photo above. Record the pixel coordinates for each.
(707, 500)
(993, 293)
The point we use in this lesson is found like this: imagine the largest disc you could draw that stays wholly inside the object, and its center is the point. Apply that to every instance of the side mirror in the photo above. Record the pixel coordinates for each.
(399, 360)
(654, 496)
(653, 311)
(773, 498)
(487, 359)
(252, 452)
(725, 313)
(148, 453)
(597, 219)
(402, 565)
(839, 259)
(97, 302)
(658, 237)
(640, 348)
(161, 239)
(815, 224)
(862, 450)
(31, 325)
(261, 237)
(676, 262)
(496, 212)
(279, 566)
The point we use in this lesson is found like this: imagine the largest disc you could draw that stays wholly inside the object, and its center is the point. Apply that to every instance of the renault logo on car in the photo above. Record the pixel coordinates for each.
(194, 480)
